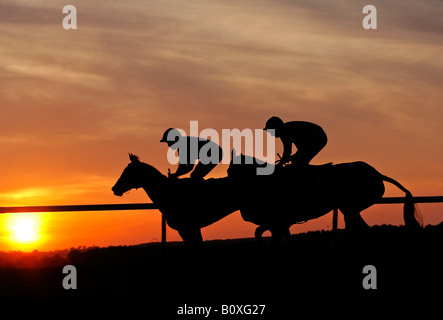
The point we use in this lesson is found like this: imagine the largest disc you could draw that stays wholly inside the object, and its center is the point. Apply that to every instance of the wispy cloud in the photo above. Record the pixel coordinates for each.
(134, 68)
(80, 191)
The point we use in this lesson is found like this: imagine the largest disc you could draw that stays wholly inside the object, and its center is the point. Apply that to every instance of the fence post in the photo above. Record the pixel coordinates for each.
(163, 231)
(334, 219)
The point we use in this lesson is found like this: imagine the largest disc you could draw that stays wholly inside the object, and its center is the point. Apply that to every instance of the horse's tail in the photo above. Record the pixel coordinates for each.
(413, 220)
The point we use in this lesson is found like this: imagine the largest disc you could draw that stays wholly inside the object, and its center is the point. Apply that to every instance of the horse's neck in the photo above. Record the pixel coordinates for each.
(154, 182)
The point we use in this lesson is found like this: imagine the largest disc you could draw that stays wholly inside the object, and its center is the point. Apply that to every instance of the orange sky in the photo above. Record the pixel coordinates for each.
(75, 102)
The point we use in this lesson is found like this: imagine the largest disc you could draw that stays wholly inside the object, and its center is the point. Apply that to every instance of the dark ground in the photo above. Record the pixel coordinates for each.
(323, 266)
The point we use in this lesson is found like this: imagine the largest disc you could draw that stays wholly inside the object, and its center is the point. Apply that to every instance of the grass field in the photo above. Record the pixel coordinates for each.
(314, 266)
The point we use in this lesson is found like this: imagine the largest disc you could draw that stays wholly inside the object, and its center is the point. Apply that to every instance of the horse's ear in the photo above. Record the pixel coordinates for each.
(133, 158)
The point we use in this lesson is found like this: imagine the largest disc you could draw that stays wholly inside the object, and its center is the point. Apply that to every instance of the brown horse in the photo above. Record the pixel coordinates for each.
(187, 206)
(294, 195)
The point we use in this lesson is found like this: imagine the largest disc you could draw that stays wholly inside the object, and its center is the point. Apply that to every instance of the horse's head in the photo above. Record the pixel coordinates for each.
(130, 178)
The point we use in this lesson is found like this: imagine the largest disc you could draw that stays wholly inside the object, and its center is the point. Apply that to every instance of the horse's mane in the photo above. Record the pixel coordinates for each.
(136, 160)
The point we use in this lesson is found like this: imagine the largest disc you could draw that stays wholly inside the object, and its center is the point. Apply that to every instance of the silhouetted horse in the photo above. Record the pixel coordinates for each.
(291, 195)
(187, 206)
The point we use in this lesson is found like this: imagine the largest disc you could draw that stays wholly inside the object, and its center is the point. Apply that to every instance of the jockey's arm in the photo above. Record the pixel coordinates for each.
(287, 150)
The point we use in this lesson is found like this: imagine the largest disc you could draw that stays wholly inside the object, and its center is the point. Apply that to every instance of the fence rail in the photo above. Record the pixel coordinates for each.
(88, 207)
(149, 206)
(431, 199)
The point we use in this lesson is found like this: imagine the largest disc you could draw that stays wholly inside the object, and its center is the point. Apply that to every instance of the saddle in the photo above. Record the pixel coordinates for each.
(312, 174)
(309, 169)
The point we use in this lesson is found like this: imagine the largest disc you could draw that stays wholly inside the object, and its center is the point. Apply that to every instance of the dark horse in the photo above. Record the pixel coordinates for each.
(187, 206)
(291, 195)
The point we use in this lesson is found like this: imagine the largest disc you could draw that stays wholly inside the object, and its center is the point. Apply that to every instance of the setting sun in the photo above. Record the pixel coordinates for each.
(24, 230)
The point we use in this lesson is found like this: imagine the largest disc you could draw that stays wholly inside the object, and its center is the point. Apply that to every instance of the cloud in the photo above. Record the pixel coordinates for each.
(74, 102)
(134, 68)
(12, 12)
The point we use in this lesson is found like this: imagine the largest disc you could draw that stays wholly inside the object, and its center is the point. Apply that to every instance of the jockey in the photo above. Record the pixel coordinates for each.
(309, 139)
(191, 149)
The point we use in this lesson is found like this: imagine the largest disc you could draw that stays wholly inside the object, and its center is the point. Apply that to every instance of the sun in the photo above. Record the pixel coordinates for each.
(24, 230)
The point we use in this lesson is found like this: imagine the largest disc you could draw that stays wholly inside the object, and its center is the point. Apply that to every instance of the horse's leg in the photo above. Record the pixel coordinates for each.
(278, 232)
(353, 220)
(287, 235)
(193, 239)
(259, 234)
